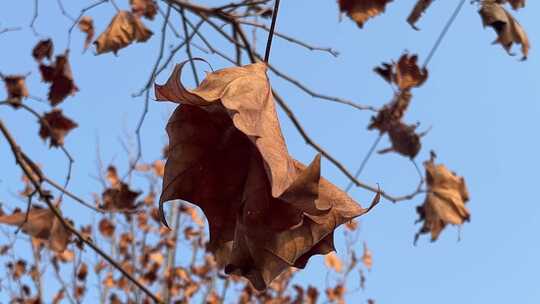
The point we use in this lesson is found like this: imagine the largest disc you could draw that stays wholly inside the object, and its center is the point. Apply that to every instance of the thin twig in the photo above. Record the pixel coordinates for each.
(188, 46)
(81, 14)
(271, 32)
(365, 160)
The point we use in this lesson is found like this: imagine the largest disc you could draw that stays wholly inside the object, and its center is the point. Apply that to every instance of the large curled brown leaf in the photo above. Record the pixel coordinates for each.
(419, 8)
(508, 30)
(362, 10)
(124, 29)
(445, 200)
(41, 224)
(227, 155)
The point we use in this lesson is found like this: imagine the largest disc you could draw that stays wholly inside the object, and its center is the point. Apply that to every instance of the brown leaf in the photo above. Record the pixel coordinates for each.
(516, 4)
(406, 73)
(119, 198)
(266, 211)
(404, 139)
(312, 295)
(43, 49)
(106, 227)
(391, 113)
(112, 176)
(61, 78)
(15, 87)
(508, 30)
(336, 294)
(41, 224)
(419, 8)
(367, 258)
(361, 10)
(331, 260)
(55, 126)
(82, 273)
(146, 8)
(86, 25)
(445, 200)
(122, 31)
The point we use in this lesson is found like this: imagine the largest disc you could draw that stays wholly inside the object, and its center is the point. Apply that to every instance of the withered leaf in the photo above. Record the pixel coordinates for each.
(367, 257)
(61, 78)
(41, 224)
(445, 200)
(43, 49)
(82, 273)
(406, 73)
(331, 260)
(15, 87)
(146, 8)
(227, 155)
(106, 227)
(122, 31)
(404, 139)
(516, 4)
(508, 30)
(391, 113)
(119, 198)
(55, 126)
(419, 8)
(361, 10)
(86, 25)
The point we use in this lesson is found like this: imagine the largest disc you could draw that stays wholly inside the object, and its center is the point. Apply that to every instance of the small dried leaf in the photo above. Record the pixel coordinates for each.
(331, 260)
(16, 87)
(146, 8)
(106, 227)
(41, 224)
(43, 49)
(86, 25)
(408, 73)
(445, 200)
(82, 273)
(336, 294)
(508, 30)
(55, 126)
(112, 176)
(61, 78)
(367, 258)
(361, 10)
(419, 8)
(404, 139)
(119, 198)
(391, 113)
(124, 29)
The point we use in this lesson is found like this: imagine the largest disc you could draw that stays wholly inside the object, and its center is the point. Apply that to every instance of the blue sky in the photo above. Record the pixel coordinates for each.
(482, 104)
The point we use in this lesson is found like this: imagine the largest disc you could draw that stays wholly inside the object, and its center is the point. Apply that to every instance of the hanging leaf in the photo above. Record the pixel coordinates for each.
(124, 29)
(367, 258)
(391, 113)
(508, 30)
(15, 87)
(362, 10)
(61, 78)
(419, 8)
(445, 200)
(227, 155)
(119, 198)
(55, 126)
(41, 224)
(404, 139)
(331, 260)
(146, 8)
(42, 50)
(405, 74)
(86, 25)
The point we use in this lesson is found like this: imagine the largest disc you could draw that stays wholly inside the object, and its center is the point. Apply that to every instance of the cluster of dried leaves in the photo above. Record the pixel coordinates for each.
(492, 12)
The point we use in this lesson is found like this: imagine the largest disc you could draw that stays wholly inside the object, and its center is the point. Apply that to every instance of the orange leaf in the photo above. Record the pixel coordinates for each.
(124, 29)
(361, 10)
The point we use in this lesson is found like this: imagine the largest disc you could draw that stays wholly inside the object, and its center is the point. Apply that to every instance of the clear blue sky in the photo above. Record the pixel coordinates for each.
(483, 106)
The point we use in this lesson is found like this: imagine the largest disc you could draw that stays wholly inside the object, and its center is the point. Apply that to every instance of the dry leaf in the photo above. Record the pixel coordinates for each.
(41, 224)
(15, 87)
(119, 198)
(445, 200)
(331, 260)
(82, 273)
(61, 78)
(508, 30)
(516, 4)
(361, 10)
(391, 113)
(43, 49)
(266, 211)
(419, 8)
(336, 294)
(367, 258)
(122, 31)
(112, 176)
(106, 227)
(86, 25)
(55, 126)
(146, 8)
(404, 139)
(406, 73)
